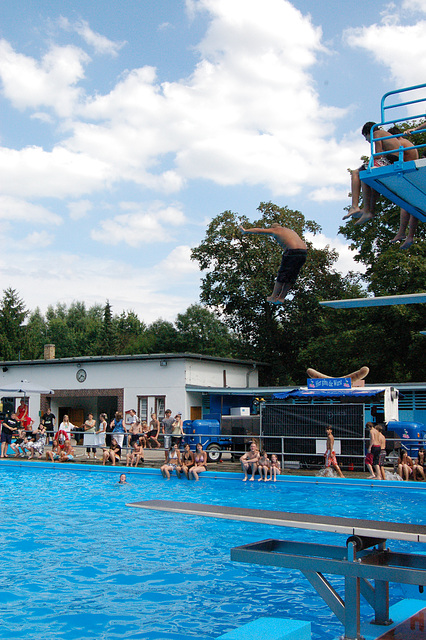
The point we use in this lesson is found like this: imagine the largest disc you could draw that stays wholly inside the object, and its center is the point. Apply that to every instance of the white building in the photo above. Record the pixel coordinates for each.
(146, 383)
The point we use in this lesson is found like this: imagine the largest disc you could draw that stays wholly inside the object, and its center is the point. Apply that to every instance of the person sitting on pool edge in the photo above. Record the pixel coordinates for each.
(250, 460)
(264, 466)
(135, 455)
(275, 467)
(173, 462)
(187, 460)
(113, 453)
(68, 454)
(200, 462)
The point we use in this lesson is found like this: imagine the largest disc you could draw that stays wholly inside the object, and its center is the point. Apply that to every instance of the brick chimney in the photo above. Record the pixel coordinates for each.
(49, 351)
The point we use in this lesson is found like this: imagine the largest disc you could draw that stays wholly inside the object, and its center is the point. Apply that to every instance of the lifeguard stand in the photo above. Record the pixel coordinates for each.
(403, 183)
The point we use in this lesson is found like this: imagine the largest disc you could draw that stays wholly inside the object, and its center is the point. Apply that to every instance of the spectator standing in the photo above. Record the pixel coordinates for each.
(118, 429)
(167, 429)
(49, 422)
(100, 433)
(154, 431)
(8, 428)
(177, 432)
(89, 428)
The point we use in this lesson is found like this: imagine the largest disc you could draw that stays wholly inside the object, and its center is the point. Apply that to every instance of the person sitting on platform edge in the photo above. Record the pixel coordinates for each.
(369, 194)
(293, 259)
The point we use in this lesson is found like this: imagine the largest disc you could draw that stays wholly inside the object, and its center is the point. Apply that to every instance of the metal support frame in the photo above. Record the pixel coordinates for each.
(358, 563)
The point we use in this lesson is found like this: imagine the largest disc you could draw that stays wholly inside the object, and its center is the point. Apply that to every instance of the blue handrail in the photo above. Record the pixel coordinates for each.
(395, 105)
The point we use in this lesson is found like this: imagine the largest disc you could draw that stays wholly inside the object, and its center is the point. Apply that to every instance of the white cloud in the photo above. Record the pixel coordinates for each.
(79, 209)
(346, 260)
(249, 114)
(28, 83)
(100, 43)
(329, 194)
(142, 225)
(38, 239)
(147, 291)
(178, 262)
(401, 48)
(19, 210)
(33, 172)
(414, 5)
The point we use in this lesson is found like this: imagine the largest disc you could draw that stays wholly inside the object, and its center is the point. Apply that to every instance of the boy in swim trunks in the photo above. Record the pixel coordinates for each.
(375, 449)
(330, 455)
(294, 257)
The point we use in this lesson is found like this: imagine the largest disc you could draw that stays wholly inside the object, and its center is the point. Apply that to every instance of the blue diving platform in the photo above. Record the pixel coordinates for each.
(403, 183)
(379, 301)
(365, 557)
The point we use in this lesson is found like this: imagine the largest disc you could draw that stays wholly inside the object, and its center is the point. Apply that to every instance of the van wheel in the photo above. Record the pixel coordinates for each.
(214, 453)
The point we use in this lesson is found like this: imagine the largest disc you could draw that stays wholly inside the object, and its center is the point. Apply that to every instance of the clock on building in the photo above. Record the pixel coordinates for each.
(81, 375)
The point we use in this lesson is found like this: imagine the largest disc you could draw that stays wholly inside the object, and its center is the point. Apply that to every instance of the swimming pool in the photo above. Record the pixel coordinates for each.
(77, 563)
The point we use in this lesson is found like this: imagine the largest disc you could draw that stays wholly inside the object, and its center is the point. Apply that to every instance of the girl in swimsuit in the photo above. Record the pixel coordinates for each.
(200, 461)
(275, 467)
(173, 463)
(187, 461)
(263, 466)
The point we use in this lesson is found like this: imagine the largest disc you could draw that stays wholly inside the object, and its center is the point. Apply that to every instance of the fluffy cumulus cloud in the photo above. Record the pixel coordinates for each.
(15, 209)
(345, 262)
(49, 82)
(246, 115)
(100, 44)
(144, 290)
(397, 44)
(139, 225)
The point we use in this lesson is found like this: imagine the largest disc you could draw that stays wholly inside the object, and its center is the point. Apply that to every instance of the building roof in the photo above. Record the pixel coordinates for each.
(134, 357)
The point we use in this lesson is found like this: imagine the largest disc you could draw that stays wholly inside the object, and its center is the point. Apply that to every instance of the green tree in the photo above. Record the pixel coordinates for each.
(35, 335)
(162, 337)
(240, 273)
(201, 332)
(12, 316)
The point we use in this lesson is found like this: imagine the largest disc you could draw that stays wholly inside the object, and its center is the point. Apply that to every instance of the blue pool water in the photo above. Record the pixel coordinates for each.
(77, 563)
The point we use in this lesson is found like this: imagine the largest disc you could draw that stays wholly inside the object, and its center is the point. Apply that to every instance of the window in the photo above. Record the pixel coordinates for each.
(151, 404)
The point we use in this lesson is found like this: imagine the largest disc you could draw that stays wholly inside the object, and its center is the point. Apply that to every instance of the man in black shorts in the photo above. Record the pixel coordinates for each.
(8, 428)
(49, 422)
(294, 257)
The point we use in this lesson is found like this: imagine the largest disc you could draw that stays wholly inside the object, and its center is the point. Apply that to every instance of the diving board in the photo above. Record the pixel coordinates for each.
(365, 557)
(403, 183)
(379, 301)
(346, 526)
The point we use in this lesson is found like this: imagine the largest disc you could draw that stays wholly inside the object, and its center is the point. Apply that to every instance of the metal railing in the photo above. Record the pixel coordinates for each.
(385, 107)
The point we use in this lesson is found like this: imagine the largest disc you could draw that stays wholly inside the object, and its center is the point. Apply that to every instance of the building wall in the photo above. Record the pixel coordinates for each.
(215, 374)
(126, 380)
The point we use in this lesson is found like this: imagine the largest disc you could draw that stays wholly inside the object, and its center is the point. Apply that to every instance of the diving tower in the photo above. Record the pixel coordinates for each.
(403, 183)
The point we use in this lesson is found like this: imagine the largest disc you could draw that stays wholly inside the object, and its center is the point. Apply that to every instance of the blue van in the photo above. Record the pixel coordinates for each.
(208, 433)
(412, 435)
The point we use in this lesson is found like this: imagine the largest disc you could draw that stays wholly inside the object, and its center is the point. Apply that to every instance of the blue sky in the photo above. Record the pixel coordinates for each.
(125, 127)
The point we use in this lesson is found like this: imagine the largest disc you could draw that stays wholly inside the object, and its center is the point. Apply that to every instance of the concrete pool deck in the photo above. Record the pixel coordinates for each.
(154, 459)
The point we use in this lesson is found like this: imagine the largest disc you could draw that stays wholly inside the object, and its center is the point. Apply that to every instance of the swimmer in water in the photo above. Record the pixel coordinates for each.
(123, 479)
